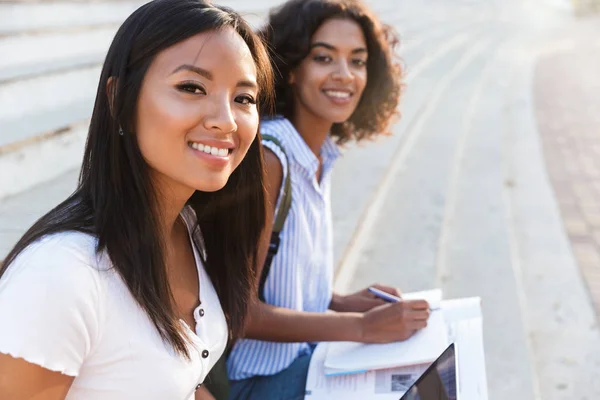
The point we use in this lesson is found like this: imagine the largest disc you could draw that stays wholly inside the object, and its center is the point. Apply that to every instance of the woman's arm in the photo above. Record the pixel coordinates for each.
(203, 394)
(279, 324)
(270, 323)
(20, 380)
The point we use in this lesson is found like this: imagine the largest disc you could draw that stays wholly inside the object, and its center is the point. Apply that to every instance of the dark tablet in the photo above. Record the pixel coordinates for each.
(438, 382)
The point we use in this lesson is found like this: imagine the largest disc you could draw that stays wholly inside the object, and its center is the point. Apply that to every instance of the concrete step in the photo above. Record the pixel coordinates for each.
(18, 213)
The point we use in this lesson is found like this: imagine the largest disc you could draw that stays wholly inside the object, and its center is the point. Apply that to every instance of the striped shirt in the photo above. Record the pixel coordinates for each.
(301, 275)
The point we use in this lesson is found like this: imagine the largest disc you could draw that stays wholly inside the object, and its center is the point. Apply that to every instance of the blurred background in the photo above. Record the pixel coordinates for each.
(489, 186)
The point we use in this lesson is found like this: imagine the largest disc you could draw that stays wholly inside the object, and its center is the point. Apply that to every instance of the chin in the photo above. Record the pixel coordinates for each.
(339, 119)
(212, 185)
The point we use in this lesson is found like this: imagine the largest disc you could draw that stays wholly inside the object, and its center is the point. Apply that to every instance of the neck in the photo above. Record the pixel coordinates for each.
(171, 200)
(313, 130)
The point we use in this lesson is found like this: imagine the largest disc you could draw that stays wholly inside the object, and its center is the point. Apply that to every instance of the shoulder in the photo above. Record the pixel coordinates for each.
(64, 262)
(273, 126)
(51, 302)
(274, 172)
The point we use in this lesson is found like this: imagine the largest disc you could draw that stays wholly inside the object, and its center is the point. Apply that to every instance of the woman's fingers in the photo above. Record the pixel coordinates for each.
(417, 304)
(388, 289)
(420, 315)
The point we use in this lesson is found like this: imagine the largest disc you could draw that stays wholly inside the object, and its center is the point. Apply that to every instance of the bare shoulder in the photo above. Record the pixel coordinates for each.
(274, 172)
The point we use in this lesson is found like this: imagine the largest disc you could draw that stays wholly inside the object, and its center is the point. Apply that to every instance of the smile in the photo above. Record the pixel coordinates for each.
(338, 94)
(212, 150)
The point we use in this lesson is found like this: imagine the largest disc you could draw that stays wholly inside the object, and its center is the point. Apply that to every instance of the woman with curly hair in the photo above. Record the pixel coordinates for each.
(337, 82)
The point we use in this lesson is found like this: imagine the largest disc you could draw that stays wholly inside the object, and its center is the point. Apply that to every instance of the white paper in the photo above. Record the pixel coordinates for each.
(465, 329)
(433, 297)
(461, 309)
(387, 384)
(423, 347)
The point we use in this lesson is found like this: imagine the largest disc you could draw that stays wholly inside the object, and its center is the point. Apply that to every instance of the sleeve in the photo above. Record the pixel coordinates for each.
(49, 306)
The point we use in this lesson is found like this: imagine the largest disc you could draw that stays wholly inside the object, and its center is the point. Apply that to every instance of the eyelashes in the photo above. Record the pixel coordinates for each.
(327, 59)
(191, 87)
(197, 89)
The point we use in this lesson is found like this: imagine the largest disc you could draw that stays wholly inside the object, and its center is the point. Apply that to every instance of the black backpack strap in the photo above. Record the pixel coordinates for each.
(284, 207)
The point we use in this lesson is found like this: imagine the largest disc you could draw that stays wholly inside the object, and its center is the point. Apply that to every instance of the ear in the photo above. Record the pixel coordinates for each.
(111, 87)
(292, 78)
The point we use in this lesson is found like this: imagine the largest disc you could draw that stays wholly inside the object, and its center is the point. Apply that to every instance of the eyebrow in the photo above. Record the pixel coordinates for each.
(208, 75)
(193, 68)
(331, 47)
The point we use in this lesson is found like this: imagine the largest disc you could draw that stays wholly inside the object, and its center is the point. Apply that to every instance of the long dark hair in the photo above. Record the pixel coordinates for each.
(288, 35)
(115, 200)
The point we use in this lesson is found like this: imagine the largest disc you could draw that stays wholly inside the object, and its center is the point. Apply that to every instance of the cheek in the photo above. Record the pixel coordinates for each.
(312, 78)
(361, 81)
(247, 129)
(161, 124)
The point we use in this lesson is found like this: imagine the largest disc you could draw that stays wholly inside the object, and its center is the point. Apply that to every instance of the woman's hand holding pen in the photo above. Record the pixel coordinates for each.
(363, 300)
(394, 321)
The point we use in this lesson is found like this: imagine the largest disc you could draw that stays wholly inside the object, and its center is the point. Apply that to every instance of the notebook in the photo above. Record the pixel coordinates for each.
(422, 348)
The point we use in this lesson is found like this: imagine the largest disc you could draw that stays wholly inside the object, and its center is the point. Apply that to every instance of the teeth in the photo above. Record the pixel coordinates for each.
(336, 94)
(215, 151)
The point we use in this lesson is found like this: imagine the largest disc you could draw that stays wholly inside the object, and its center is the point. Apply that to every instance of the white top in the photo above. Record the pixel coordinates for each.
(301, 275)
(63, 307)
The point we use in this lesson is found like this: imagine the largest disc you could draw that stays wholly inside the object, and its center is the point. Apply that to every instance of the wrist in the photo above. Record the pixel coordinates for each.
(356, 328)
(337, 302)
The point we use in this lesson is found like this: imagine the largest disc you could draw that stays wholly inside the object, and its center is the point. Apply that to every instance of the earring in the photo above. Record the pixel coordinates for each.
(121, 131)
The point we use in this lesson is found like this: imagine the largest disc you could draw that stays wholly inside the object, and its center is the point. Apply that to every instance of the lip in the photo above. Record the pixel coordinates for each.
(338, 100)
(214, 161)
(218, 162)
(222, 144)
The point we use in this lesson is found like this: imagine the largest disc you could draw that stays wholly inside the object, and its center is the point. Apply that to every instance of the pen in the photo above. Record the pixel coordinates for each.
(390, 298)
(383, 295)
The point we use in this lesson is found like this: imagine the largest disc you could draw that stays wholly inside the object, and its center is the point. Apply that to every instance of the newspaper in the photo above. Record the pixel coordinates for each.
(381, 384)
(464, 325)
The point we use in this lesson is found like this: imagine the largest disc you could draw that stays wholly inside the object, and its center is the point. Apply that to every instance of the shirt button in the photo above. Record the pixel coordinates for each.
(201, 312)
(205, 354)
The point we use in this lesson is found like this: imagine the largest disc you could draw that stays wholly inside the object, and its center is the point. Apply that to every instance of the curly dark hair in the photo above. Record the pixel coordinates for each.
(288, 35)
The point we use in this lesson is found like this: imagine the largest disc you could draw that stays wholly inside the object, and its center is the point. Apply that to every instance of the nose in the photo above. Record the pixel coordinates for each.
(219, 117)
(343, 73)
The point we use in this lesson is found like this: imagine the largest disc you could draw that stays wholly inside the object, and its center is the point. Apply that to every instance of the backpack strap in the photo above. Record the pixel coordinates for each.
(284, 207)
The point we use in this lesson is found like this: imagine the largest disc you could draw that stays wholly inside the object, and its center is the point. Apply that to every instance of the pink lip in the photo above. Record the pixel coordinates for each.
(338, 100)
(214, 161)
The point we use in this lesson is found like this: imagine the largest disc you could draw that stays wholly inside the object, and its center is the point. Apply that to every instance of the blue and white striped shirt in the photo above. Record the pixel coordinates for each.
(301, 275)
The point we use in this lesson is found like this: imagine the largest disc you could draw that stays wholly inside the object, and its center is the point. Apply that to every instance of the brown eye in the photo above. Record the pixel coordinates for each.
(322, 59)
(192, 88)
(245, 99)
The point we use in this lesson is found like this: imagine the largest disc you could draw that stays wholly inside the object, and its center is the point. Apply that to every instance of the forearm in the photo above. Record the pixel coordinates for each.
(278, 324)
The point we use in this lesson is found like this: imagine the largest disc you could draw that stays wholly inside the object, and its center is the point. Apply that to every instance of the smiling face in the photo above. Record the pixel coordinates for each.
(329, 82)
(197, 114)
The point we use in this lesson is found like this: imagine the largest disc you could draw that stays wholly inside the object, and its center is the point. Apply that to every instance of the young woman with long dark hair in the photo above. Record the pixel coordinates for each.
(130, 288)
(336, 81)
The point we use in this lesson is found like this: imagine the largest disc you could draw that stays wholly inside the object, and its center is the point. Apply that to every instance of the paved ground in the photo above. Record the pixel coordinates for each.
(567, 101)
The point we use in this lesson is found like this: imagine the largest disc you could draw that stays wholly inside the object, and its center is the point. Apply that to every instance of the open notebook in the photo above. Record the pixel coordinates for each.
(422, 348)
